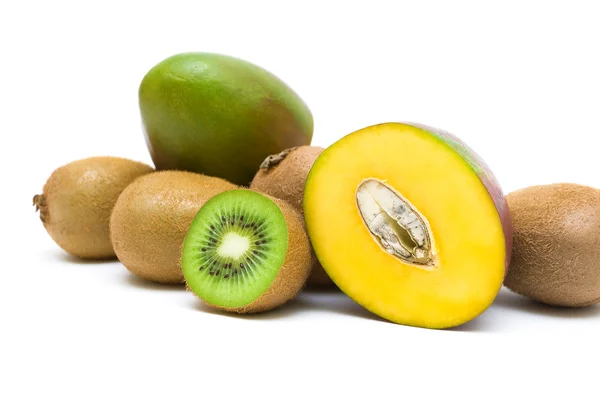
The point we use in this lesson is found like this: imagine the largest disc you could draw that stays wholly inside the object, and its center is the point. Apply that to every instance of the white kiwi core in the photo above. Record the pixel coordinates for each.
(233, 245)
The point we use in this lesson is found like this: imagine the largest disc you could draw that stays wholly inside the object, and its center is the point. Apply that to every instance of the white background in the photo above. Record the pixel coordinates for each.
(517, 80)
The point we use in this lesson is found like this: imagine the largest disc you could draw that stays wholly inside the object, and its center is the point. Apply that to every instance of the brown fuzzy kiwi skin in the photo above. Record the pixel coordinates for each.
(556, 246)
(293, 273)
(151, 218)
(78, 199)
(284, 176)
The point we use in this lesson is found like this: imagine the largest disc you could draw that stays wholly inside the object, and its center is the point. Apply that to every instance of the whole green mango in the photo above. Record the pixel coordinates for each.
(219, 115)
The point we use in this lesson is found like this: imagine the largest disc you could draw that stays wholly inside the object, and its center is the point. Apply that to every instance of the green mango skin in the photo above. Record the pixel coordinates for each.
(219, 115)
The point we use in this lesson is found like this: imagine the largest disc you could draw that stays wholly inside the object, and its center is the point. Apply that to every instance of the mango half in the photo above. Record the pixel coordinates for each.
(219, 115)
(410, 223)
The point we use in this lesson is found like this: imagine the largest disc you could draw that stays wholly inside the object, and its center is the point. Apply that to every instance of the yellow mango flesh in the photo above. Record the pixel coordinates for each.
(444, 188)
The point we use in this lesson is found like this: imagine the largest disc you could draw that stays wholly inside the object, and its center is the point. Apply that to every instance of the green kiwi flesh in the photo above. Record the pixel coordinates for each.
(234, 248)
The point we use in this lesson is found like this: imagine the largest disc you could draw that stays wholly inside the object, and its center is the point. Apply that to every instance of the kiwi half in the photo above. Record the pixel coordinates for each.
(246, 252)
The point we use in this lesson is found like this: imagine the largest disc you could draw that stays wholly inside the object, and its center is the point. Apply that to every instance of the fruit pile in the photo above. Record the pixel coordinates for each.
(404, 218)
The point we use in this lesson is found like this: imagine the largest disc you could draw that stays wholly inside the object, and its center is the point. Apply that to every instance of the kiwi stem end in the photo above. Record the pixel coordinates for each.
(275, 159)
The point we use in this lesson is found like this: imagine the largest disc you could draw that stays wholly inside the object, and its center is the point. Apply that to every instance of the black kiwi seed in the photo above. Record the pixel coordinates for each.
(212, 272)
(262, 235)
(241, 265)
(218, 272)
(204, 249)
(241, 218)
(263, 241)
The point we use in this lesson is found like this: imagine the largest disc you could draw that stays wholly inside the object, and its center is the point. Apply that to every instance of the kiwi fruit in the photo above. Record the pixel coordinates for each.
(78, 199)
(556, 244)
(284, 176)
(151, 218)
(246, 252)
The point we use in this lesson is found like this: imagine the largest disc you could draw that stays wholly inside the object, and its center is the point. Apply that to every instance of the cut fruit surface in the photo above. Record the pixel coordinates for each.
(234, 240)
(410, 223)
(246, 252)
